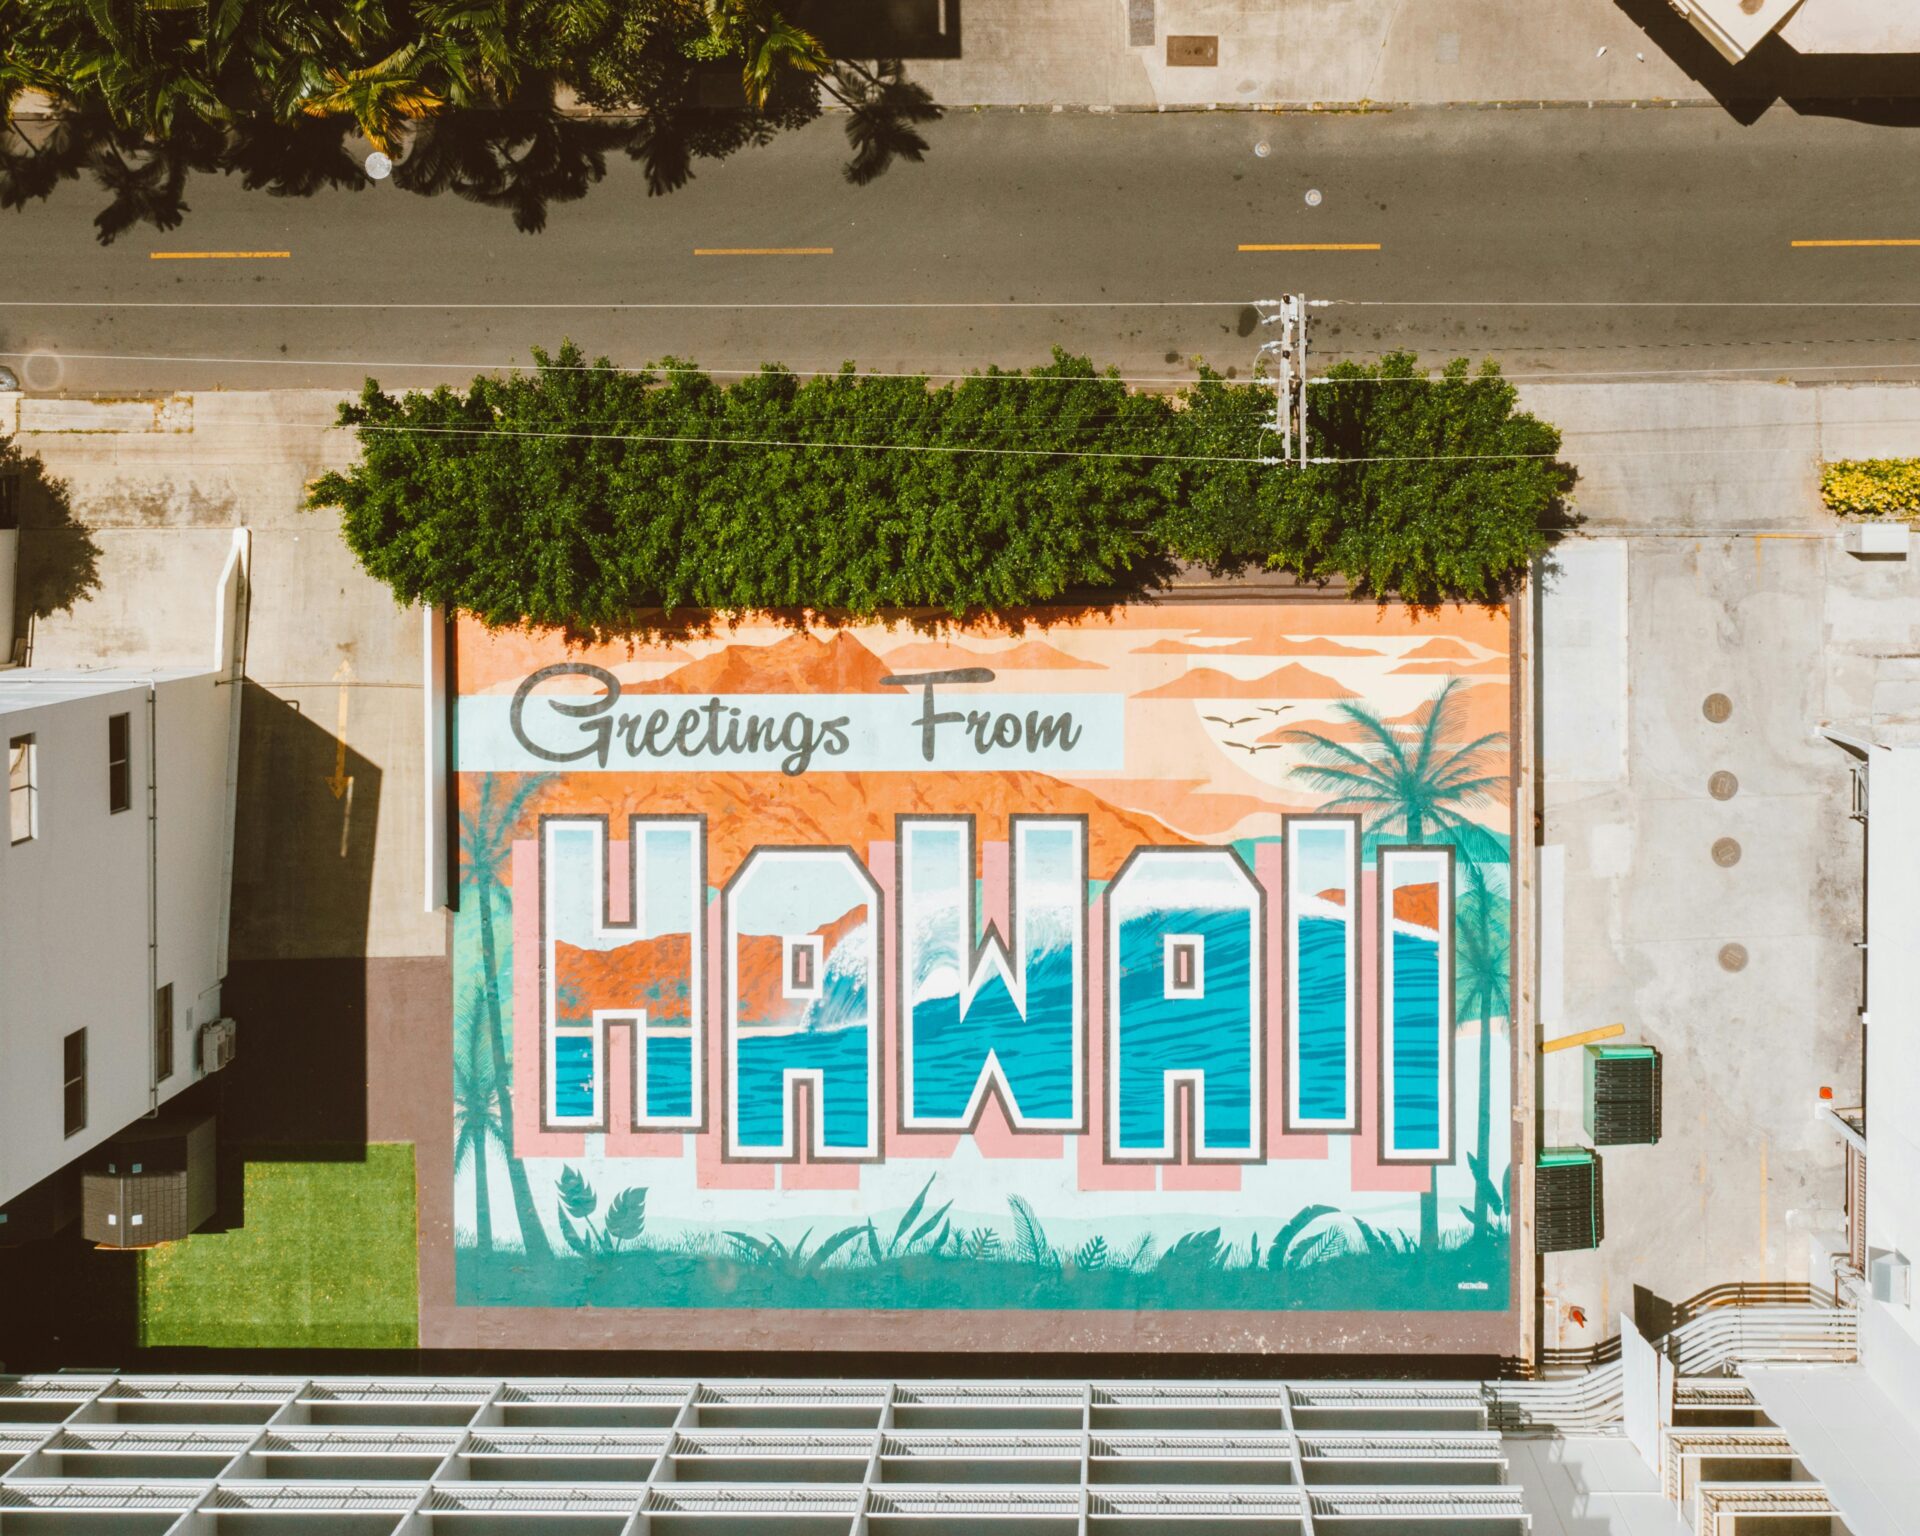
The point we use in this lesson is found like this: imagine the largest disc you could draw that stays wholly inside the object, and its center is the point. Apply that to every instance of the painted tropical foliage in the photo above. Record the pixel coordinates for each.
(1421, 780)
(1317, 1258)
(483, 1065)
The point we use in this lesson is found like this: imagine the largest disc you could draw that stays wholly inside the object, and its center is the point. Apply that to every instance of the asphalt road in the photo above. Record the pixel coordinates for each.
(1599, 243)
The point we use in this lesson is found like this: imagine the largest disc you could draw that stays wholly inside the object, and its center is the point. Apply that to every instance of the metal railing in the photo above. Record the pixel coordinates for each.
(1722, 1329)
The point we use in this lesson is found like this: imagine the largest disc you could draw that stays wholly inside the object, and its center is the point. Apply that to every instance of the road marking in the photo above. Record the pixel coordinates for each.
(1585, 1037)
(1809, 245)
(763, 250)
(221, 255)
(1313, 246)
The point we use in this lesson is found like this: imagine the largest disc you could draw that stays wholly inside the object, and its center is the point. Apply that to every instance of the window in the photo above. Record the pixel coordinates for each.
(74, 1050)
(23, 779)
(119, 768)
(9, 501)
(163, 1033)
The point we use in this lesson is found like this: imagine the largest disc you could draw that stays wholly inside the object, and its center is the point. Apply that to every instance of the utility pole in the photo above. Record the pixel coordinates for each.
(1289, 357)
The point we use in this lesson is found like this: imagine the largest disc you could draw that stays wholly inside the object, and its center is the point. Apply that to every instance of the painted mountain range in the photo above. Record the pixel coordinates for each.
(748, 810)
(1415, 904)
(799, 663)
(1478, 711)
(651, 974)
(1292, 681)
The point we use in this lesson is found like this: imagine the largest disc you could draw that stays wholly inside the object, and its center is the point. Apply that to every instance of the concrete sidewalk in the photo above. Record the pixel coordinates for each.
(1114, 54)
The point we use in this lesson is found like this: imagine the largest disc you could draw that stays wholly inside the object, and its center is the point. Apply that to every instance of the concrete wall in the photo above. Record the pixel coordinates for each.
(195, 804)
(75, 905)
(1893, 1013)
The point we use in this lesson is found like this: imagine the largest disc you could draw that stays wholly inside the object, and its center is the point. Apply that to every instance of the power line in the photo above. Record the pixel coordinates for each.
(662, 304)
(774, 442)
(1623, 303)
(1045, 453)
(832, 371)
(1625, 373)
(922, 304)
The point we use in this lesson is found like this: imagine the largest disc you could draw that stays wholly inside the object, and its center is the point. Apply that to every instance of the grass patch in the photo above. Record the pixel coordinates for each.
(326, 1259)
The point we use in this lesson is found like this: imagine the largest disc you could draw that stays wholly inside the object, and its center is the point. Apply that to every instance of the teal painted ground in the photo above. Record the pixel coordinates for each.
(1191, 1276)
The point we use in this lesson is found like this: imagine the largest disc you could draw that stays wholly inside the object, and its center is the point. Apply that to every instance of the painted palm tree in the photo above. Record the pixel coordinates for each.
(1420, 780)
(486, 845)
(1416, 777)
(476, 1118)
(1483, 992)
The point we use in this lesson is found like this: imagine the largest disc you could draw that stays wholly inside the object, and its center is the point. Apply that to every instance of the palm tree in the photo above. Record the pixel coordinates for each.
(1416, 777)
(381, 98)
(767, 42)
(1482, 980)
(476, 1120)
(486, 844)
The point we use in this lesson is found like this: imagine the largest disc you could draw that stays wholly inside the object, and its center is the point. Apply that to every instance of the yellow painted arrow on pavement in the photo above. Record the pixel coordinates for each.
(341, 780)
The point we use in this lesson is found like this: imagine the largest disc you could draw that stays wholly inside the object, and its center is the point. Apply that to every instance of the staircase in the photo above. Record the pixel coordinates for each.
(1723, 1465)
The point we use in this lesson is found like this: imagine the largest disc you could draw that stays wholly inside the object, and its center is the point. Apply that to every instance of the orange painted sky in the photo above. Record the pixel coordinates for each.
(1208, 766)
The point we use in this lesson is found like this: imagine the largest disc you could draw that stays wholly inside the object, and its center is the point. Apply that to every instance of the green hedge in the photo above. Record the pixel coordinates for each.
(1871, 487)
(583, 496)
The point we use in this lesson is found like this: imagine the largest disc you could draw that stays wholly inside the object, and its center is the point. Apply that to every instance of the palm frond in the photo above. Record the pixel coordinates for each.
(1030, 1237)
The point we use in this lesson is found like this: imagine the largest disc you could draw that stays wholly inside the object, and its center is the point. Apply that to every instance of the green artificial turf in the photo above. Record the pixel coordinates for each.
(325, 1259)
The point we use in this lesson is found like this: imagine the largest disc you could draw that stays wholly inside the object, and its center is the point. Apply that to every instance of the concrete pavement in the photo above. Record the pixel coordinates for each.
(1602, 244)
(1708, 566)
(1109, 54)
(1114, 55)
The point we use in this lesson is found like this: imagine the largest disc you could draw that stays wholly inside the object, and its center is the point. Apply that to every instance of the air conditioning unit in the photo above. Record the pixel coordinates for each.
(1891, 1278)
(1567, 1209)
(1623, 1095)
(216, 1045)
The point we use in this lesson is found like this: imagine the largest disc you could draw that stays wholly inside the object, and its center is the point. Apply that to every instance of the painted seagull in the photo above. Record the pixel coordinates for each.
(1269, 709)
(1229, 724)
(1256, 746)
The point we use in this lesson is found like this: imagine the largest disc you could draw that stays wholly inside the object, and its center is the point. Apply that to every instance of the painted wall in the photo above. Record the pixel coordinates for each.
(1145, 966)
(74, 905)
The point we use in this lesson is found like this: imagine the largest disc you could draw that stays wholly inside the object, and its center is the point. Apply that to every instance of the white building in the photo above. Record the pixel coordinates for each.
(114, 878)
(1849, 27)
(1883, 1131)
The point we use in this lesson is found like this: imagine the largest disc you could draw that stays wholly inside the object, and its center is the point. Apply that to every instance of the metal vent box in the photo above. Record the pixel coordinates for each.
(153, 1183)
(1567, 1208)
(1623, 1095)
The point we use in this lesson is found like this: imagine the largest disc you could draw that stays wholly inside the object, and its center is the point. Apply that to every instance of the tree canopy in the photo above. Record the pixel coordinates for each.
(584, 496)
(465, 93)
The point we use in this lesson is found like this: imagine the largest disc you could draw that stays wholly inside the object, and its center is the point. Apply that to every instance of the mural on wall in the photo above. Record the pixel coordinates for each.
(1148, 961)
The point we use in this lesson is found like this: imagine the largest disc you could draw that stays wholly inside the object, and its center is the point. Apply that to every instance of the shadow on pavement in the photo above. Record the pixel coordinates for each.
(1868, 88)
(521, 161)
(305, 815)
